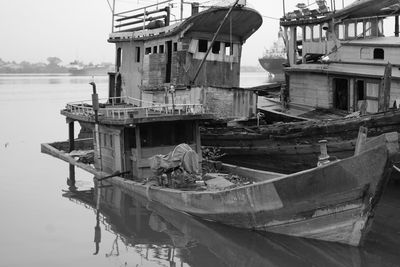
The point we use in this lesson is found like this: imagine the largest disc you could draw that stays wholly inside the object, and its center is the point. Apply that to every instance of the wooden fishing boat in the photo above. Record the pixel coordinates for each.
(342, 74)
(295, 142)
(333, 202)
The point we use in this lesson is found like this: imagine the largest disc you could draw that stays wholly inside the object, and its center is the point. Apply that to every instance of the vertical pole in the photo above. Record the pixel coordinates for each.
(71, 179)
(396, 26)
(113, 12)
(71, 136)
(181, 10)
(138, 152)
(342, 3)
(284, 9)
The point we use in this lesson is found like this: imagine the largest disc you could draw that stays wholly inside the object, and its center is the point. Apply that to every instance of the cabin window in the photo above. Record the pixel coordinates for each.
(137, 54)
(379, 53)
(155, 135)
(203, 46)
(368, 30)
(341, 31)
(228, 49)
(351, 30)
(119, 58)
(216, 47)
(161, 49)
(380, 28)
(111, 140)
(308, 33)
(147, 51)
(360, 29)
(324, 34)
(175, 47)
(154, 49)
(299, 33)
(316, 33)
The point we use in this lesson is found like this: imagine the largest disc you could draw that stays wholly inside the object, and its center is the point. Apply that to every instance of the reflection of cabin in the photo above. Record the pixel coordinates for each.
(337, 60)
(153, 57)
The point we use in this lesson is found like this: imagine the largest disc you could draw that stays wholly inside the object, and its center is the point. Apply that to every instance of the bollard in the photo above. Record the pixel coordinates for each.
(323, 157)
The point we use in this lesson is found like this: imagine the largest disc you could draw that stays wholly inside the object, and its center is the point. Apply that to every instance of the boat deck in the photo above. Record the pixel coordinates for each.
(125, 110)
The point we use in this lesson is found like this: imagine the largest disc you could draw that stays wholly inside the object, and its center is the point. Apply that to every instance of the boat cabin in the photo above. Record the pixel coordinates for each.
(338, 60)
(188, 61)
(127, 135)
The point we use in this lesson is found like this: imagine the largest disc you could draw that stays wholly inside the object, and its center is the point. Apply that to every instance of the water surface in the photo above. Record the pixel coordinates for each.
(43, 225)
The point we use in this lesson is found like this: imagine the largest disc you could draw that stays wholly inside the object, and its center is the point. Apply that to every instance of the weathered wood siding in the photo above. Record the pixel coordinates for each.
(131, 71)
(317, 93)
(223, 102)
(365, 54)
(110, 148)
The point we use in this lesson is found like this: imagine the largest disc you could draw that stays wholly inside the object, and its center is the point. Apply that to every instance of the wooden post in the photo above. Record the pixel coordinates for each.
(71, 178)
(396, 26)
(138, 152)
(361, 140)
(71, 136)
(384, 92)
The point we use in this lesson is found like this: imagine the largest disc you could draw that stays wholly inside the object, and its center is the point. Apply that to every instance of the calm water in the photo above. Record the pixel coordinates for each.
(42, 225)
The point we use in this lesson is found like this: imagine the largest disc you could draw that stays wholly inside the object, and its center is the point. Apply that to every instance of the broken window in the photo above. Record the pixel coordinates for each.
(155, 50)
(216, 47)
(161, 49)
(368, 30)
(379, 53)
(228, 49)
(360, 29)
(175, 47)
(147, 51)
(203, 45)
(137, 54)
(119, 58)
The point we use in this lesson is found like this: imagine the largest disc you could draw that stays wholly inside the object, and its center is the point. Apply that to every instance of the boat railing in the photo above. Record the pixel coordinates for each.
(139, 18)
(123, 108)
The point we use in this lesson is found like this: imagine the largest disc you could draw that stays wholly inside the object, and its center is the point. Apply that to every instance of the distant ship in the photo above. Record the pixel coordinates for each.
(274, 58)
(77, 68)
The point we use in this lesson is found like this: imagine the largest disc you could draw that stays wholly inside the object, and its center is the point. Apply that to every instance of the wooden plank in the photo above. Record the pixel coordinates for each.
(361, 139)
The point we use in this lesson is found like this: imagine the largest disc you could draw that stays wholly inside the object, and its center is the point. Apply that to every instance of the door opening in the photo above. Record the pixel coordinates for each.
(341, 94)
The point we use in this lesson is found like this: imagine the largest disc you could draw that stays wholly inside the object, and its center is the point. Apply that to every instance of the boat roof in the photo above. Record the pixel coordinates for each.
(245, 21)
(367, 71)
(358, 9)
(368, 8)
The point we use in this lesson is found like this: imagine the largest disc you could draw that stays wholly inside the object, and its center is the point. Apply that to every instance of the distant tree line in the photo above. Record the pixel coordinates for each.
(53, 65)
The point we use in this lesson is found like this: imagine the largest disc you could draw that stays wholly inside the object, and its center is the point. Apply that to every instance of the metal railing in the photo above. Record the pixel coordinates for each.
(123, 108)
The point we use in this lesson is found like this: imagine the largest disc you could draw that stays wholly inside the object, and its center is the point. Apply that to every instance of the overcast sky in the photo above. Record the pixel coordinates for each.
(33, 30)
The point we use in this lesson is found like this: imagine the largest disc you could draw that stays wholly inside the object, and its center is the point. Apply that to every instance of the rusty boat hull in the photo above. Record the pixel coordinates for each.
(333, 202)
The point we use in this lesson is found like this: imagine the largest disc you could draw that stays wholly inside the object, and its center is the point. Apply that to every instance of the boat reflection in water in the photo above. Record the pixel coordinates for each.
(165, 237)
